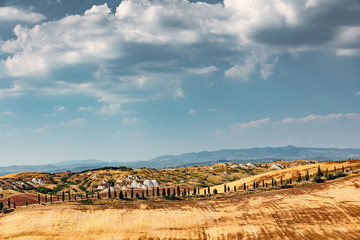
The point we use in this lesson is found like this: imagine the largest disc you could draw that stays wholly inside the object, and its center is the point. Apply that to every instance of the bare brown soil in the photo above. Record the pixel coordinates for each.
(329, 210)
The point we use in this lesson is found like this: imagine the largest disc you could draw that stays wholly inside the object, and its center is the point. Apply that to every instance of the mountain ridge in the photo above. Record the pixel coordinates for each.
(255, 155)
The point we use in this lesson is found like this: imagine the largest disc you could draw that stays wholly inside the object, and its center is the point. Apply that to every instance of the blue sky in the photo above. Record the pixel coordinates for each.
(132, 80)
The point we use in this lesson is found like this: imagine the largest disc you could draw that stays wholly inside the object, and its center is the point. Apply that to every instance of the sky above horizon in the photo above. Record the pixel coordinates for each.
(134, 79)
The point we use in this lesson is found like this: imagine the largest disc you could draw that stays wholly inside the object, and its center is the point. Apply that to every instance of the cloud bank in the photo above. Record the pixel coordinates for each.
(143, 50)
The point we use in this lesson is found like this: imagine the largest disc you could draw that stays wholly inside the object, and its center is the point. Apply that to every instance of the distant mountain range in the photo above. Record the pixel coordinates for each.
(255, 155)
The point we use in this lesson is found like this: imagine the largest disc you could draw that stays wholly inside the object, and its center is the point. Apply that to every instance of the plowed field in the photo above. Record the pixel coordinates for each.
(328, 210)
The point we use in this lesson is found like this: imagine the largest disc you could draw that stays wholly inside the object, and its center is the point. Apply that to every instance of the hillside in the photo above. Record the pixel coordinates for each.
(99, 180)
(329, 210)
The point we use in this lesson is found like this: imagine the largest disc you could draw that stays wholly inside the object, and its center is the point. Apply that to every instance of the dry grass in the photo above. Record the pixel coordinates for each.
(328, 210)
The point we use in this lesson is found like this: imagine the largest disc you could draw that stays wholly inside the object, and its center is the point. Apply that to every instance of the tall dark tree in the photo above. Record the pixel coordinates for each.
(334, 169)
(174, 193)
(178, 190)
(168, 192)
(188, 191)
(198, 190)
(225, 188)
(125, 194)
(147, 192)
(69, 196)
(9, 204)
(194, 191)
(132, 193)
(45, 198)
(163, 192)
(244, 186)
(307, 176)
(1, 205)
(254, 185)
(234, 188)
(109, 193)
(343, 169)
(14, 204)
(142, 195)
(114, 193)
(50, 198)
(281, 181)
(263, 184)
(121, 196)
(299, 178)
(209, 190)
(63, 196)
(153, 190)
(158, 192)
(98, 195)
(75, 197)
(26, 203)
(319, 173)
(290, 181)
(272, 182)
(204, 191)
(184, 193)
(38, 198)
(275, 182)
(86, 195)
(228, 188)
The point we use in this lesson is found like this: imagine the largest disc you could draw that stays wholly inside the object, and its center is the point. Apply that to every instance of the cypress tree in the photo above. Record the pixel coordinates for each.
(137, 195)
(188, 191)
(147, 192)
(194, 192)
(153, 191)
(45, 198)
(163, 192)
(224, 188)
(198, 190)
(184, 193)
(1, 205)
(26, 203)
(121, 196)
(281, 181)
(266, 184)
(275, 183)
(299, 178)
(334, 169)
(38, 198)
(244, 186)
(209, 190)
(343, 169)
(319, 173)
(178, 190)
(290, 181)
(228, 188)
(307, 177)
(125, 194)
(158, 192)
(63, 196)
(272, 182)
(50, 198)
(114, 193)
(351, 168)
(204, 191)
(168, 192)
(173, 194)
(109, 193)
(14, 205)
(132, 193)
(57, 197)
(86, 195)
(75, 196)
(9, 203)
(254, 185)
(234, 188)
(98, 195)
(263, 184)
(142, 195)
(257, 185)
(69, 196)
